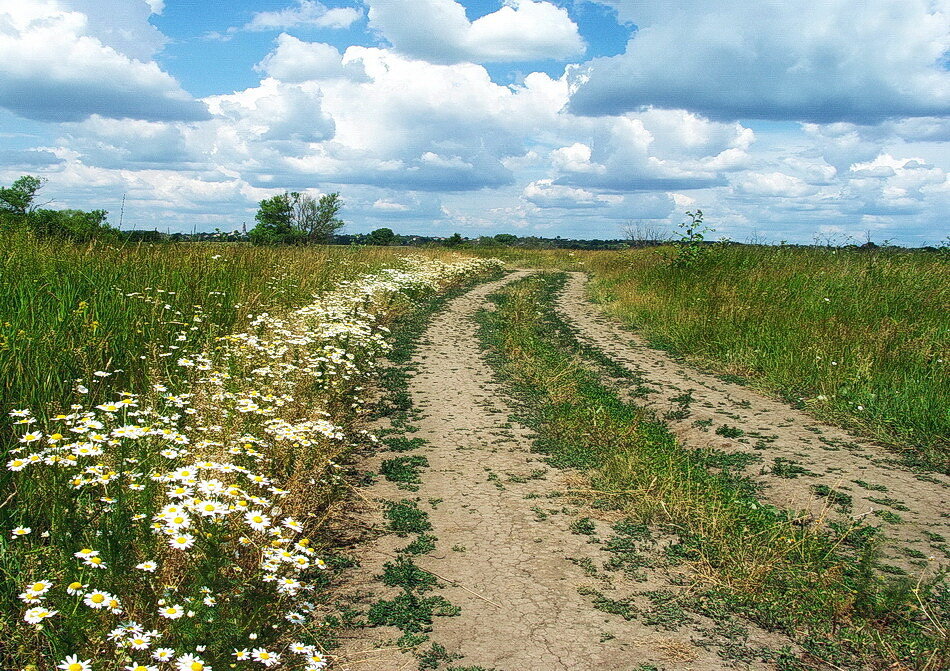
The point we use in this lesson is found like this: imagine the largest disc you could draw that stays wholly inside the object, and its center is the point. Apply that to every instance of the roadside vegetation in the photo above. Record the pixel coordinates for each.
(173, 433)
(816, 584)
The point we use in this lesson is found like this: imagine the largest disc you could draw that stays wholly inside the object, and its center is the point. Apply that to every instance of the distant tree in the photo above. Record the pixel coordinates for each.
(645, 234)
(316, 220)
(18, 198)
(72, 224)
(453, 240)
(274, 221)
(296, 218)
(506, 239)
(381, 236)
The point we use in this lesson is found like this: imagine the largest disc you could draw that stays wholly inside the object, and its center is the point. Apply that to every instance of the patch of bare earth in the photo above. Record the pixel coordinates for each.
(505, 553)
(912, 508)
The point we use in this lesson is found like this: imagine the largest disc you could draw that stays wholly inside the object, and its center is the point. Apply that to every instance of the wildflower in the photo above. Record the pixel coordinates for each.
(73, 663)
(31, 437)
(163, 654)
(264, 657)
(75, 588)
(141, 667)
(97, 599)
(139, 642)
(171, 612)
(95, 562)
(301, 649)
(182, 541)
(257, 520)
(20, 531)
(242, 655)
(179, 521)
(38, 614)
(148, 566)
(191, 663)
(40, 587)
(293, 524)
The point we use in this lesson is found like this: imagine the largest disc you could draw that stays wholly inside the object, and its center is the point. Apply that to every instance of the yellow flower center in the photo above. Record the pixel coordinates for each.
(38, 587)
(95, 560)
(75, 585)
(179, 520)
(98, 598)
(140, 668)
(197, 666)
(257, 519)
(75, 667)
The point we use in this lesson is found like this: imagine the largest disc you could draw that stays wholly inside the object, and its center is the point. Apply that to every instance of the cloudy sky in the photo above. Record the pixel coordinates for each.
(781, 119)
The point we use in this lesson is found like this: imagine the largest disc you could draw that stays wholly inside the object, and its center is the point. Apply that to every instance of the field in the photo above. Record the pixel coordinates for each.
(225, 456)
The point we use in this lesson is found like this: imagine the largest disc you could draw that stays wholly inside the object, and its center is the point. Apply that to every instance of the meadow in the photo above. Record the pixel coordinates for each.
(176, 422)
(860, 338)
(179, 421)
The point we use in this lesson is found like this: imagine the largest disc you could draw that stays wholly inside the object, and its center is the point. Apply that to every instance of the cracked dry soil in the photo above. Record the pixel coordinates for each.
(829, 455)
(509, 571)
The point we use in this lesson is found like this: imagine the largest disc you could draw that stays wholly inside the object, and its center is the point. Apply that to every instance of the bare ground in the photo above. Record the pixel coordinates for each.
(772, 429)
(505, 552)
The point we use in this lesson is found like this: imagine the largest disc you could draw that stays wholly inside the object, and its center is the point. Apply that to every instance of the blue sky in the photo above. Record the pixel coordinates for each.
(781, 119)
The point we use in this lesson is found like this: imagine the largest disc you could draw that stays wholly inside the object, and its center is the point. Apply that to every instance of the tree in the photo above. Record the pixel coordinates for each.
(316, 219)
(382, 237)
(453, 241)
(274, 221)
(506, 239)
(294, 218)
(18, 198)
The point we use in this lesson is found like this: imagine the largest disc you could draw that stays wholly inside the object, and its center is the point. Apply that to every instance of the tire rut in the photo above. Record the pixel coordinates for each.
(914, 517)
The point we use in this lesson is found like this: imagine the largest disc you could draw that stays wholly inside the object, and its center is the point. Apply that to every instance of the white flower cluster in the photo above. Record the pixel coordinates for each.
(182, 498)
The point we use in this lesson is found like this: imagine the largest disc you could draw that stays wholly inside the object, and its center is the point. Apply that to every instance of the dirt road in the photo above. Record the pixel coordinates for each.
(505, 551)
(912, 508)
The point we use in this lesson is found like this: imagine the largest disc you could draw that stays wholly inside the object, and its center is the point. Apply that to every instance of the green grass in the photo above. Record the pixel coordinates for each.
(857, 337)
(67, 311)
(754, 560)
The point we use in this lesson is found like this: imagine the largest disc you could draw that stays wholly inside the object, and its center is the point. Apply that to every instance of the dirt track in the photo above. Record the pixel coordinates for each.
(830, 455)
(508, 567)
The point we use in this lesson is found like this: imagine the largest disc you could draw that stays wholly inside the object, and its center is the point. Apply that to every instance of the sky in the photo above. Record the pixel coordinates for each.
(780, 119)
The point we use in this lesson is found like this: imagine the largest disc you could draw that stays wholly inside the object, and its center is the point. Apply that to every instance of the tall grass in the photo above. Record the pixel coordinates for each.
(858, 337)
(180, 417)
(68, 310)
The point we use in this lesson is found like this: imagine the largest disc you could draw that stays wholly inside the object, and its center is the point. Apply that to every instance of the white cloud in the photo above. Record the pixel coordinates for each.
(789, 59)
(440, 32)
(275, 111)
(82, 75)
(297, 61)
(305, 13)
(775, 184)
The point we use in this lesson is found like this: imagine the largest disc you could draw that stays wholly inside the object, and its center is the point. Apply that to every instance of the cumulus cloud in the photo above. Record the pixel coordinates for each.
(82, 75)
(820, 62)
(656, 150)
(305, 13)
(440, 32)
(297, 61)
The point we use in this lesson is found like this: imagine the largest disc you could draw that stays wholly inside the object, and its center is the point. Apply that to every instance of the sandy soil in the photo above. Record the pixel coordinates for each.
(834, 457)
(508, 569)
